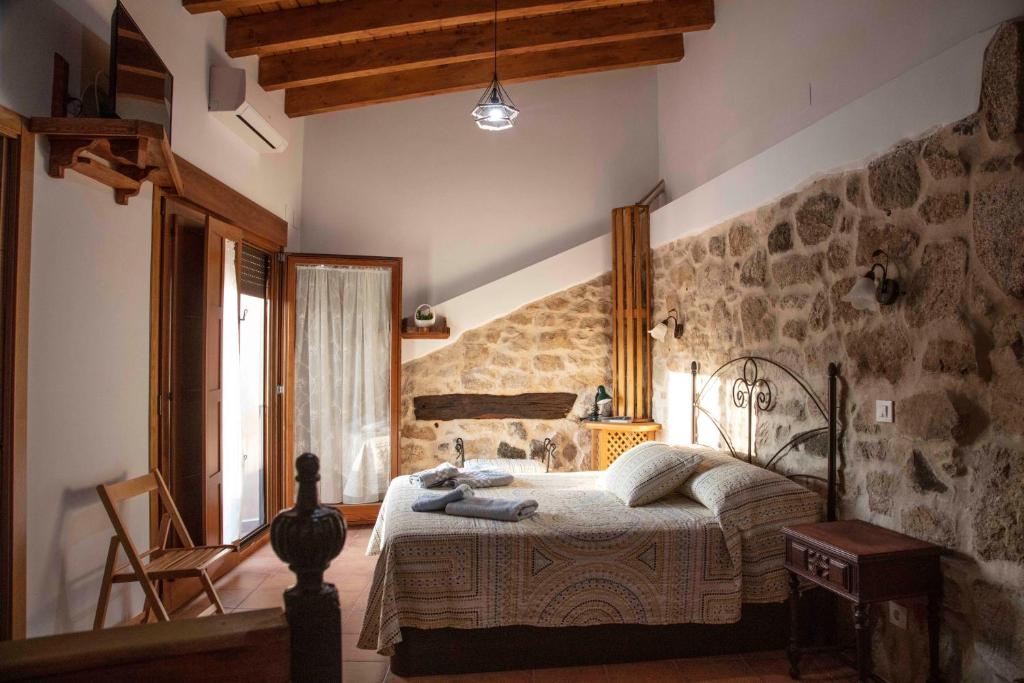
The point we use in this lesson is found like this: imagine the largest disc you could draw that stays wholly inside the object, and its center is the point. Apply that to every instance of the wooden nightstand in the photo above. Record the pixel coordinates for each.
(609, 440)
(863, 563)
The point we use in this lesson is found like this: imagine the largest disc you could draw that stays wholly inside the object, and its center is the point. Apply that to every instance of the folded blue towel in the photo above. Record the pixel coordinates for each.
(430, 502)
(435, 476)
(493, 508)
(479, 479)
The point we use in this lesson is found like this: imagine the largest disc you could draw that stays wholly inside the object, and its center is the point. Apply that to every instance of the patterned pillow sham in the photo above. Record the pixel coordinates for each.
(752, 505)
(650, 471)
(722, 483)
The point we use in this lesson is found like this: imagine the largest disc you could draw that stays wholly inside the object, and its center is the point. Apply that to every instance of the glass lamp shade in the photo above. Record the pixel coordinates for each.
(862, 295)
(495, 110)
(659, 331)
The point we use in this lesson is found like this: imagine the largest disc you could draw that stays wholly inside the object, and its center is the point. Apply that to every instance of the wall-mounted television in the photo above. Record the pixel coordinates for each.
(141, 87)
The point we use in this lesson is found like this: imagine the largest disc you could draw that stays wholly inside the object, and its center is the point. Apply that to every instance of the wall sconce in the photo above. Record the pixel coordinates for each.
(661, 329)
(873, 288)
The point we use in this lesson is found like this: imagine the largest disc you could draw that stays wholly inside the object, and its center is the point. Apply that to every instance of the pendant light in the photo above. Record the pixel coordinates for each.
(495, 110)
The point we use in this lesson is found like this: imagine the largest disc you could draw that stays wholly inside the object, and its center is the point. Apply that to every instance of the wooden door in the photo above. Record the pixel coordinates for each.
(217, 232)
(192, 284)
(186, 370)
(357, 513)
(182, 339)
(213, 309)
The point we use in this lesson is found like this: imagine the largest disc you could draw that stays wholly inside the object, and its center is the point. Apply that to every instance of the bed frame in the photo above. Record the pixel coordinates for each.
(755, 393)
(761, 627)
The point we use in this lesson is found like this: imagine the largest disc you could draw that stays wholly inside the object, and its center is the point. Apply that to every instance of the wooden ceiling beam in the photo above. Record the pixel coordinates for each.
(469, 43)
(401, 85)
(341, 22)
(200, 6)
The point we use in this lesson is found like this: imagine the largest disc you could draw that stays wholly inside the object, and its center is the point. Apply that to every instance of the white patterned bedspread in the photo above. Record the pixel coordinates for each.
(583, 559)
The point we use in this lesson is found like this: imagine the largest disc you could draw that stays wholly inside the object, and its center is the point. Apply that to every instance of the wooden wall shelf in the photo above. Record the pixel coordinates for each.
(438, 331)
(122, 154)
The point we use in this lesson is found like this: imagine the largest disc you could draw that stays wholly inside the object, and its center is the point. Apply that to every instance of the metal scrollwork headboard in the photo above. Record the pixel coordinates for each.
(549, 452)
(753, 391)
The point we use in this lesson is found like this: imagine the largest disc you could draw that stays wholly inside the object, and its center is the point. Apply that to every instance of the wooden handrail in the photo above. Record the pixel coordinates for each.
(171, 650)
(650, 196)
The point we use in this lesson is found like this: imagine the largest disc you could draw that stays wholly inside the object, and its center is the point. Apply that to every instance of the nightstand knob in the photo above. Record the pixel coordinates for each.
(817, 563)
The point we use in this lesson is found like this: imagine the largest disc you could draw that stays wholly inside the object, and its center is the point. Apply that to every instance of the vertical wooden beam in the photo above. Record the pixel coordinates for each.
(631, 306)
(16, 221)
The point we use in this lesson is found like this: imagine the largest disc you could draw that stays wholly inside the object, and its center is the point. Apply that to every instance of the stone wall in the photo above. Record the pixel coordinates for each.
(949, 210)
(559, 343)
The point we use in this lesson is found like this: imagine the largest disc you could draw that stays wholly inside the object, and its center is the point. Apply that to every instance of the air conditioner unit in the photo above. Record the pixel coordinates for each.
(228, 103)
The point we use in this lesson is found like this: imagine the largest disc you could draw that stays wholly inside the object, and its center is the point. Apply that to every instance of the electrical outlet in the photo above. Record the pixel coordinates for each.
(897, 615)
(883, 411)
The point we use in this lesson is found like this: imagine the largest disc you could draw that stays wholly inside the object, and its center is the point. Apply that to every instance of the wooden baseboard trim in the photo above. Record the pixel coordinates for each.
(359, 515)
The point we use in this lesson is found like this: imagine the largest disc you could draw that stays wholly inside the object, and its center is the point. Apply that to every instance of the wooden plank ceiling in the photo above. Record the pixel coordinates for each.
(338, 54)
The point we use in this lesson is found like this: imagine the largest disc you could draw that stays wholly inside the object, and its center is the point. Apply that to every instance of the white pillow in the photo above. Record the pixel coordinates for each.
(650, 471)
(510, 465)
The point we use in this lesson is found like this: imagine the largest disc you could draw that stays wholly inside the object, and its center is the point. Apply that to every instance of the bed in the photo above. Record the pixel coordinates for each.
(587, 579)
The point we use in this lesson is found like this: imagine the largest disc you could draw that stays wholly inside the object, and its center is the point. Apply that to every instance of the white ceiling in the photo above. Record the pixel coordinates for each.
(464, 207)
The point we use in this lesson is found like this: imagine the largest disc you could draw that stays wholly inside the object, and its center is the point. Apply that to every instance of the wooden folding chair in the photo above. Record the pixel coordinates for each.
(164, 563)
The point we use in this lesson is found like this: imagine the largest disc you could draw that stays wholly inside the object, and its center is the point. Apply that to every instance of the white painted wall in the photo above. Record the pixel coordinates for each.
(465, 207)
(769, 69)
(89, 301)
(941, 90)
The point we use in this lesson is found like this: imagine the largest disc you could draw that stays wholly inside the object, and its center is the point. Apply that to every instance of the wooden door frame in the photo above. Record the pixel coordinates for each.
(14, 368)
(179, 593)
(365, 513)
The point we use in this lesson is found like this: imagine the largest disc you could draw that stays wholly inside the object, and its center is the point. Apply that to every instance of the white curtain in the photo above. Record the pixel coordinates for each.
(231, 404)
(342, 378)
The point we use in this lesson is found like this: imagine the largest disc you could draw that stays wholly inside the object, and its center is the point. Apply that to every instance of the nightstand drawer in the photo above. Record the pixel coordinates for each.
(820, 564)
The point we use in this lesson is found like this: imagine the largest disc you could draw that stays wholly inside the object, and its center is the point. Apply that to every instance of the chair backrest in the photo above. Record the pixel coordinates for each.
(113, 494)
(124, 490)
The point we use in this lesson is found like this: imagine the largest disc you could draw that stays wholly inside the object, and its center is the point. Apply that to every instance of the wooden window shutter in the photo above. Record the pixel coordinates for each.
(253, 271)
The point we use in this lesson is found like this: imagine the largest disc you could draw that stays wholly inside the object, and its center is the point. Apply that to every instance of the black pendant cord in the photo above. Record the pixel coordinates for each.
(495, 39)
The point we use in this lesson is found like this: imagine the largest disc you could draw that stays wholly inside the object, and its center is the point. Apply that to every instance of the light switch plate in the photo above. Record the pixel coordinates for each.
(883, 411)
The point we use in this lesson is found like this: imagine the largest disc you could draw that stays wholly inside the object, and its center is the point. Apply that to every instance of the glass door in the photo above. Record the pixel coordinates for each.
(245, 310)
(344, 374)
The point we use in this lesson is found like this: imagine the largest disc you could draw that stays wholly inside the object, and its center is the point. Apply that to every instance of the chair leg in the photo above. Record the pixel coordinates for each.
(108, 573)
(211, 592)
(147, 612)
(153, 603)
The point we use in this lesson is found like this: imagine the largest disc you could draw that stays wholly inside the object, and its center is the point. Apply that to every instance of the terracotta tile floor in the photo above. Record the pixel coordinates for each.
(260, 581)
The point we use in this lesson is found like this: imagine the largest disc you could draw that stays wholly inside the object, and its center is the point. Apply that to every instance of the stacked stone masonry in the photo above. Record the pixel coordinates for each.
(948, 208)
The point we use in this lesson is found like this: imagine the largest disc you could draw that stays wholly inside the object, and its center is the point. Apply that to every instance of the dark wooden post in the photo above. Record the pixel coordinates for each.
(308, 537)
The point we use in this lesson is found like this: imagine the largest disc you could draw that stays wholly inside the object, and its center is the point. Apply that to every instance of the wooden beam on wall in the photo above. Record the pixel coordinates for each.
(475, 42)
(202, 189)
(401, 85)
(320, 25)
(532, 406)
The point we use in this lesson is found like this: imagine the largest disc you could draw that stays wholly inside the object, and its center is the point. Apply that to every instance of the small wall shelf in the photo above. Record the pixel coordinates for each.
(438, 331)
(122, 154)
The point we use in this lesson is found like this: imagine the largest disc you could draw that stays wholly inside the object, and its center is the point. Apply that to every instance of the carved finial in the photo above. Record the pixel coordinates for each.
(309, 535)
